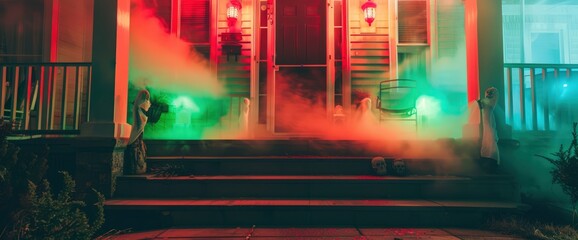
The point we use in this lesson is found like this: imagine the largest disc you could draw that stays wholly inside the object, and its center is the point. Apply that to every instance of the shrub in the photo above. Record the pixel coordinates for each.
(532, 229)
(59, 217)
(565, 171)
(28, 207)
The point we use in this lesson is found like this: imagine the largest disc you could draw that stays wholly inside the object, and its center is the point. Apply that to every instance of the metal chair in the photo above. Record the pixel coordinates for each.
(396, 100)
(21, 116)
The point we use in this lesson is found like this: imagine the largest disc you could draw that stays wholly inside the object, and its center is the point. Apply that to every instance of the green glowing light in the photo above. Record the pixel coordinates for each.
(190, 118)
(185, 103)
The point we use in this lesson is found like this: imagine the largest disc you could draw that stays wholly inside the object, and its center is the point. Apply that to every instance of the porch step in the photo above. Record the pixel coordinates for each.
(303, 183)
(487, 188)
(434, 148)
(294, 147)
(265, 165)
(156, 213)
(300, 165)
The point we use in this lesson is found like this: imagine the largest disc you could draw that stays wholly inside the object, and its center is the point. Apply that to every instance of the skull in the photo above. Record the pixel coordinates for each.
(399, 167)
(378, 165)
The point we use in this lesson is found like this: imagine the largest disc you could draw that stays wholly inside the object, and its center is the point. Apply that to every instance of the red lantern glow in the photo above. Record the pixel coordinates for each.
(369, 11)
(233, 10)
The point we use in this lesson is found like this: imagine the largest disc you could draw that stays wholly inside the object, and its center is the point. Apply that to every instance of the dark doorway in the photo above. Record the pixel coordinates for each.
(300, 82)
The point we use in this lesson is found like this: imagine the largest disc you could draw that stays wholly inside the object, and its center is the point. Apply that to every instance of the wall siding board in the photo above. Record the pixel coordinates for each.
(369, 49)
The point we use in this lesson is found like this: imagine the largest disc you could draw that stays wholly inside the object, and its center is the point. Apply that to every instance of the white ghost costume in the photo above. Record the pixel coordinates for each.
(482, 119)
(365, 116)
(244, 117)
(135, 153)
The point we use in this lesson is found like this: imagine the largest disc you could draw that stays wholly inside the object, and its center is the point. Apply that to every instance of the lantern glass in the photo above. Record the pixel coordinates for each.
(369, 13)
(232, 12)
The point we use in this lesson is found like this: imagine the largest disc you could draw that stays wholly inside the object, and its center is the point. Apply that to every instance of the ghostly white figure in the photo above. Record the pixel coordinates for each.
(244, 116)
(135, 153)
(364, 115)
(484, 121)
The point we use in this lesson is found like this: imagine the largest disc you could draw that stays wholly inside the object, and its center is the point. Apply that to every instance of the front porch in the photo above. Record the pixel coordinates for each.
(215, 161)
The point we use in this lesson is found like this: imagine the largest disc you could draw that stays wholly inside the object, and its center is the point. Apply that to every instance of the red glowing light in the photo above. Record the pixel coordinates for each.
(233, 9)
(369, 11)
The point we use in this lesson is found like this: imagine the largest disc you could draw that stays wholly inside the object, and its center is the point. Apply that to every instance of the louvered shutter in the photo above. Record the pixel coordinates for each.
(413, 22)
(195, 21)
(195, 24)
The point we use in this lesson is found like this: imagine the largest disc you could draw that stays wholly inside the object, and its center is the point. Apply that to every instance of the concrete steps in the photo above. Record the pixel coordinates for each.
(303, 183)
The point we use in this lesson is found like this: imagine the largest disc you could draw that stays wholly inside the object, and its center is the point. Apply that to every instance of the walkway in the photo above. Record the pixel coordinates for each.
(318, 233)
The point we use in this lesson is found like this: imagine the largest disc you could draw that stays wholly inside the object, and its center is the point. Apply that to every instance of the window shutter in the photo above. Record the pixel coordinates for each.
(195, 21)
(413, 24)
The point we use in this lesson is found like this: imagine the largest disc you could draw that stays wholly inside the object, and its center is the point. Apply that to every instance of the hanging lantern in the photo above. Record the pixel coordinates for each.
(369, 11)
(233, 10)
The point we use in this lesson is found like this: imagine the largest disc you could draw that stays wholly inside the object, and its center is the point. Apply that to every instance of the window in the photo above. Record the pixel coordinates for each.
(21, 31)
(195, 25)
(194, 17)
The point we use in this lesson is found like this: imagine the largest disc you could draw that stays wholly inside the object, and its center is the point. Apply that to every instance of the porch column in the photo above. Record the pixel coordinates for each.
(109, 86)
(484, 47)
(100, 146)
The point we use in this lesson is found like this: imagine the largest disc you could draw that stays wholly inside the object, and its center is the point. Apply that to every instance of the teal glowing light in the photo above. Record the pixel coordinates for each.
(565, 85)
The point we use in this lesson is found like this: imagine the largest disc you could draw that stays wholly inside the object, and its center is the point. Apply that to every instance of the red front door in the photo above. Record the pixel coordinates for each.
(300, 82)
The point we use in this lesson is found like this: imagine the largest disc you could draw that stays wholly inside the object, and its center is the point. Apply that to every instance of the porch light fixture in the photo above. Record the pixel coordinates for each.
(233, 9)
(369, 11)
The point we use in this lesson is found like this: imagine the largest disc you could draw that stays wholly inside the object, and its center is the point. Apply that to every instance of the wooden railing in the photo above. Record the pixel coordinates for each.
(53, 98)
(541, 97)
(45, 98)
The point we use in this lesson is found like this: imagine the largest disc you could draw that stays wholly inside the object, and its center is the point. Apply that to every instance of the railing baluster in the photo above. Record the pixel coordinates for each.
(569, 105)
(89, 92)
(3, 100)
(63, 99)
(26, 110)
(556, 73)
(510, 97)
(546, 93)
(15, 93)
(52, 91)
(40, 96)
(533, 96)
(77, 95)
(522, 98)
